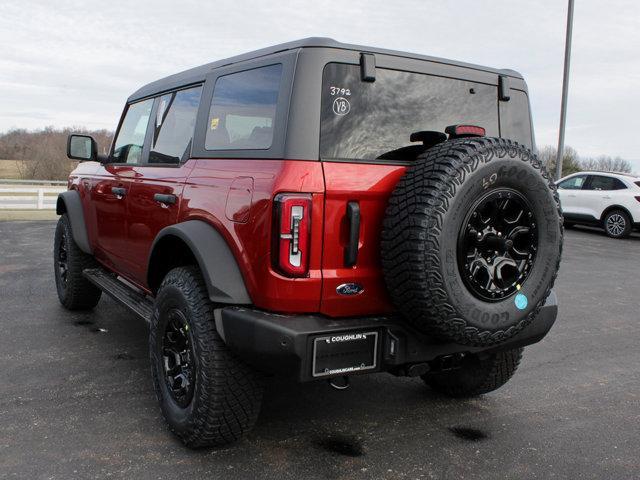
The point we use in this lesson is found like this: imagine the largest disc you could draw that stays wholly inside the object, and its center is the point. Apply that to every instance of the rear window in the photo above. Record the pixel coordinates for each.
(369, 120)
(243, 110)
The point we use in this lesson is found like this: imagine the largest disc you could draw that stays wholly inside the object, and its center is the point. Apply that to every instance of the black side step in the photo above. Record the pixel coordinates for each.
(127, 296)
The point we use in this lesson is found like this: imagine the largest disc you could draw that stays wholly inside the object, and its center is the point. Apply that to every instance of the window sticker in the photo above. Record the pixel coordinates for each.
(214, 123)
(341, 106)
(340, 91)
(161, 111)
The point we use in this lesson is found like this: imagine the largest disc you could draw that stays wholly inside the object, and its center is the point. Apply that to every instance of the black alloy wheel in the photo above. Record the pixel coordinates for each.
(62, 259)
(178, 358)
(497, 244)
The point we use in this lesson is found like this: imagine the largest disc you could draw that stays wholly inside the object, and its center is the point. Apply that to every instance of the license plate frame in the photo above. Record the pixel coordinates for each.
(365, 360)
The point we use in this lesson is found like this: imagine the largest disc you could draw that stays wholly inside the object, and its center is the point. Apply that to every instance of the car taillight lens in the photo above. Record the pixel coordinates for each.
(292, 228)
(638, 199)
(456, 131)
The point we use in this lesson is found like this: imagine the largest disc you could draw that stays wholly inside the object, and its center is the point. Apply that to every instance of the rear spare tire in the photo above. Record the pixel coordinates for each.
(472, 239)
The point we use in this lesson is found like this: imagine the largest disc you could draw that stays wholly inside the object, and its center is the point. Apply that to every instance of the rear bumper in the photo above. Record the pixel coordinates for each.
(284, 344)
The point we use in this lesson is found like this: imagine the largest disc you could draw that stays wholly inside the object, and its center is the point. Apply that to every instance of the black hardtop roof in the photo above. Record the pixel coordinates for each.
(198, 74)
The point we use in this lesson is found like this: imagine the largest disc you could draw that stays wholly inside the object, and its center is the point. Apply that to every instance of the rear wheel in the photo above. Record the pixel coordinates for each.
(477, 375)
(208, 396)
(74, 291)
(617, 224)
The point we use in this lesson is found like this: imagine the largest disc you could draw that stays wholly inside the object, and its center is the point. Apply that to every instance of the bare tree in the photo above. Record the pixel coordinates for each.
(43, 153)
(604, 163)
(570, 160)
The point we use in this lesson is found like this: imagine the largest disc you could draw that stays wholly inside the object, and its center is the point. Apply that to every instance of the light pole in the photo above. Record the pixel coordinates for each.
(565, 90)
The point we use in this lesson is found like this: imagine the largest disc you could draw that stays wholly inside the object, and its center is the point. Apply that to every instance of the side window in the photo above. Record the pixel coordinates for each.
(573, 183)
(600, 182)
(618, 185)
(243, 110)
(515, 121)
(130, 140)
(173, 125)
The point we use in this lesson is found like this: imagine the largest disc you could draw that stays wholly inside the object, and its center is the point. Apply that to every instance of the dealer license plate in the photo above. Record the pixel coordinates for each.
(344, 353)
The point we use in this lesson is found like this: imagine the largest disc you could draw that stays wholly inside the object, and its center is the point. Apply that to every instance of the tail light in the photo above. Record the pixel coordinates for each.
(638, 199)
(292, 228)
(457, 131)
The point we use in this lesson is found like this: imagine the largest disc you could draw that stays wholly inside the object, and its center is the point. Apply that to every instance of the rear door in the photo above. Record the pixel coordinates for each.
(157, 183)
(600, 192)
(365, 148)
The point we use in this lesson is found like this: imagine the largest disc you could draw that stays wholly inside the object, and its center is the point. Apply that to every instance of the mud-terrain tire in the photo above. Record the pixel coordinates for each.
(428, 219)
(75, 292)
(225, 399)
(476, 376)
(617, 224)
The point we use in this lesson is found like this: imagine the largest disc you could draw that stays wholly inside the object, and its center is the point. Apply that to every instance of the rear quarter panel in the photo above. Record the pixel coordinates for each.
(208, 195)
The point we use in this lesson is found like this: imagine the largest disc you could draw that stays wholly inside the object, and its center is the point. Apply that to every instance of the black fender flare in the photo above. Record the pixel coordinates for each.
(69, 202)
(217, 263)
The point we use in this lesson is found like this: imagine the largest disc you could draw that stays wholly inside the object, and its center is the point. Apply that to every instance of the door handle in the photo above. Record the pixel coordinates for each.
(119, 191)
(166, 199)
(351, 250)
(606, 197)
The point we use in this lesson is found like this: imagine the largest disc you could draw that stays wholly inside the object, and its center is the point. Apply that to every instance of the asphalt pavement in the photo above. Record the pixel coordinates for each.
(76, 399)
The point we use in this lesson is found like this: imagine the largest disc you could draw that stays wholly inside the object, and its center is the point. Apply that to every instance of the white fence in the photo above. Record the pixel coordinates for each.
(28, 197)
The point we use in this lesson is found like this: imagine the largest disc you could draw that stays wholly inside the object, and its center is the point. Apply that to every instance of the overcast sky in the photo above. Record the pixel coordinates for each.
(66, 63)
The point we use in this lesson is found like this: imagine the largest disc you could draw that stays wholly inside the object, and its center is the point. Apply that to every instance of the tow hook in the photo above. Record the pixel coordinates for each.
(339, 383)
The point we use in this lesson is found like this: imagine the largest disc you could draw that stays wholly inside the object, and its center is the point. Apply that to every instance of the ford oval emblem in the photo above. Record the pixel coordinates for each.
(349, 289)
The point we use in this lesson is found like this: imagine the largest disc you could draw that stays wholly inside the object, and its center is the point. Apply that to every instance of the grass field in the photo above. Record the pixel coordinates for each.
(9, 169)
(29, 215)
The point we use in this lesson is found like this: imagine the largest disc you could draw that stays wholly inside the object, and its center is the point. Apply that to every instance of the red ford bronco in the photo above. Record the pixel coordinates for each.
(316, 210)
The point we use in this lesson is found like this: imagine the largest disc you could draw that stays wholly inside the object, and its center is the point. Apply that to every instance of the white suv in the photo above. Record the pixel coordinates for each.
(609, 200)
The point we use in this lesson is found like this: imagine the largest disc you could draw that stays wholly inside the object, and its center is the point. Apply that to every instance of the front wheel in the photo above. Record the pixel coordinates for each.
(208, 396)
(617, 224)
(477, 375)
(74, 291)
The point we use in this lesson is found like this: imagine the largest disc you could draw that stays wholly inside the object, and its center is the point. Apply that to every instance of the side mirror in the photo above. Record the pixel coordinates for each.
(82, 147)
